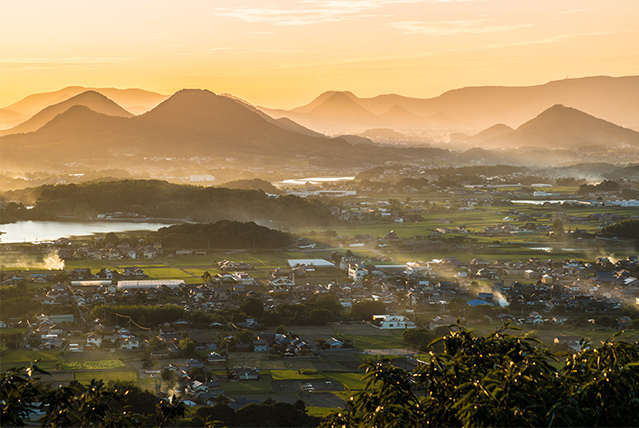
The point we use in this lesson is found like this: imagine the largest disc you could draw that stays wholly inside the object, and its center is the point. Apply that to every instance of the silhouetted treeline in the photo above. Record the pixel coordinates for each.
(625, 229)
(161, 199)
(604, 186)
(145, 315)
(222, 234)
(254, 184)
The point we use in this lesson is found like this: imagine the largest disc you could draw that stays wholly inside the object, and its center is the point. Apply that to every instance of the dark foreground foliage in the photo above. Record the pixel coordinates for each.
(500, 380)
(271, 413)
(76, 405)
(472, 381)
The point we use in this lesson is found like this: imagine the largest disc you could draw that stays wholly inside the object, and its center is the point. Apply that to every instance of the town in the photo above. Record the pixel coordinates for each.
(290, 328)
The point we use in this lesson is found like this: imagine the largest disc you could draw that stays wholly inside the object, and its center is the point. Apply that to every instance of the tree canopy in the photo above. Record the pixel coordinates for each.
(500, 380)
(628, 229)
(96, 404)
(161, 199)
(222, 234)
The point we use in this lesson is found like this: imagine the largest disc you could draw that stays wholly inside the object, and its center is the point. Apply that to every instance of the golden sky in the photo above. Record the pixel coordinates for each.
(285, 53)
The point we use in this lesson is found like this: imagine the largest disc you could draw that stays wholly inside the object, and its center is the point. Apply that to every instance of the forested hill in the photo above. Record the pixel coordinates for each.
(222, 234)
(161, 199)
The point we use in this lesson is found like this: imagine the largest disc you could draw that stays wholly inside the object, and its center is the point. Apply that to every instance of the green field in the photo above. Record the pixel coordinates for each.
(272, 364)
(92, 365)
(320, 412)
(352, 381)
(295, 375)
(379, 342)
(46, 359)
(121, 375)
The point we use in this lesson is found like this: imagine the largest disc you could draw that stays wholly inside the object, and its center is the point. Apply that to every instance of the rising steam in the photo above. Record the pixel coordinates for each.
(51, 261)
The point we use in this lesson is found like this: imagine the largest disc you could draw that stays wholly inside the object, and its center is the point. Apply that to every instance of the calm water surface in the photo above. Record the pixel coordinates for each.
(313, 180)
(31, 231)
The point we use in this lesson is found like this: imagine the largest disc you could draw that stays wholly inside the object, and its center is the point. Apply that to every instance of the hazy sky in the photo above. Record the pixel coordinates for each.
(284, 53)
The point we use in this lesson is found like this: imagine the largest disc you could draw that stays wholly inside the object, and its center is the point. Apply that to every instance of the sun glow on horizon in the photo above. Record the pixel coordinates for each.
(283, 54)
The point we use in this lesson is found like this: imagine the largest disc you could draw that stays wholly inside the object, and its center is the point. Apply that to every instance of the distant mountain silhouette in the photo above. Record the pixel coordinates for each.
(135, 101)
(612, 98)
(494, 131)
(382, 134)
(287, 123)
(626, 114)
(217, 124)
(283, 122)
(10, 118)
(321, 100)
(342, 112)
(397, 116)
(91, 99)
(77, 133)
(190, 123)
(566, 127)
(341, 107)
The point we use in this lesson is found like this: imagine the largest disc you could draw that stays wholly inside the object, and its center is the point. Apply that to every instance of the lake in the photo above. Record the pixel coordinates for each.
(32, 231)
(312, 180)
(541, 202)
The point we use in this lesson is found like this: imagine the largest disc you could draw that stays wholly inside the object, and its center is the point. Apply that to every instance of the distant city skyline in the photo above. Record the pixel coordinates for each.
(283, 54)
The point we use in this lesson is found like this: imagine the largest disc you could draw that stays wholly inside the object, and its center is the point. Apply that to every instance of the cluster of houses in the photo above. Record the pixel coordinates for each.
(204, 392)
(542, 285)
(227, 265)
(123, 250)
(62, 332)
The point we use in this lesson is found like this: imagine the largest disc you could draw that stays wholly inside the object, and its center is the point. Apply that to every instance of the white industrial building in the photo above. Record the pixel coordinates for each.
(310, 262)
(149, 283)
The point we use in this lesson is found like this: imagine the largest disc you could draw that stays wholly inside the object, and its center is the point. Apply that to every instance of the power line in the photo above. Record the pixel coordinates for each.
(130, 320)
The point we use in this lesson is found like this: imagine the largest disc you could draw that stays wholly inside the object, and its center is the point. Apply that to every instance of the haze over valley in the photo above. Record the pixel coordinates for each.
(319, 213)
(198, 132)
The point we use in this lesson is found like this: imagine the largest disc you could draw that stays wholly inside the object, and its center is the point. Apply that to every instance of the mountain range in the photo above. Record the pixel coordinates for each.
(91, 99)
(135, 101)
(568, 128)
(194, 123)
(190, 123)
(615, 99)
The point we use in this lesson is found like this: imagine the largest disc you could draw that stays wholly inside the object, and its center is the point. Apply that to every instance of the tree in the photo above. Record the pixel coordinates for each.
(219, 412)
(111, 238)
(500, 380)
(364, 311)
(253, 307)
(558, 227)
(96, 405)
(320, 316)
(169, 376)
(418, 338)
(148, 361)
(187, 346)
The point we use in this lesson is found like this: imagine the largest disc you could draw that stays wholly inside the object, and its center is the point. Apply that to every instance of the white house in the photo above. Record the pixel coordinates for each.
(243, 278)
(281, 284)
(95, 340)
(130, 343)
(393, 322)
(356, 272)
